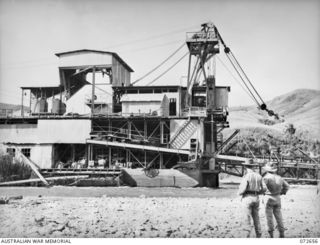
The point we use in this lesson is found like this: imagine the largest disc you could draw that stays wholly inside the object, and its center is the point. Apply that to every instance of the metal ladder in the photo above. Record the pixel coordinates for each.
(184, 133)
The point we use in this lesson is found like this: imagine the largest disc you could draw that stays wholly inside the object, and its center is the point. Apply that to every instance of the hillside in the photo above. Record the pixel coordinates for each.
(15, 108)
(300, 107)
(9, 106)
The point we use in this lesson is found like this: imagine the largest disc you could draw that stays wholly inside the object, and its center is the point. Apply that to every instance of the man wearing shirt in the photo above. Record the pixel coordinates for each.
(250, 188)
(276, 186)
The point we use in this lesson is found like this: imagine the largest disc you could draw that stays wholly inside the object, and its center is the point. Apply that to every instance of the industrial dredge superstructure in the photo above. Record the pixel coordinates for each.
(101, 119)
(183, 132)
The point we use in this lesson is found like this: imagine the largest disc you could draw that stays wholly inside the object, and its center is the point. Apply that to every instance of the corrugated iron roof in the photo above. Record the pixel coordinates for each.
(142, 97)
(49, 90)
(97, 51)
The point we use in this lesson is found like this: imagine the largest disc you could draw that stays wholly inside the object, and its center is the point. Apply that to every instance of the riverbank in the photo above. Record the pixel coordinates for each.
(145, 212)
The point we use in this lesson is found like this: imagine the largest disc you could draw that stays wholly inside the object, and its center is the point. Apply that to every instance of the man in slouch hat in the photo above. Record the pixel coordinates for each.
(276, 186)
(250, 188)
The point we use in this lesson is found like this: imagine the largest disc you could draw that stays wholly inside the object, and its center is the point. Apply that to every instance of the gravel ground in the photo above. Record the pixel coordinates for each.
(146, 212)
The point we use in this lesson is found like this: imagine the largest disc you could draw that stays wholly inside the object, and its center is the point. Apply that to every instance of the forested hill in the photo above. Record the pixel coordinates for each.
(300, 107)
(298, 110)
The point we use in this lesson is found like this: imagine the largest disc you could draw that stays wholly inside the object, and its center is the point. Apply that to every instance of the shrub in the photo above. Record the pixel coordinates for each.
(267, 122)
(13, 171)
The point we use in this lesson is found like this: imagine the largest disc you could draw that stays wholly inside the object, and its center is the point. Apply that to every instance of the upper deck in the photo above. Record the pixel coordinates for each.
(196, 40)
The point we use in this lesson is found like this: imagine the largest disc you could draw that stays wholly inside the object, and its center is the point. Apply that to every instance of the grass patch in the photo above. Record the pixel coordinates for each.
(10, 170)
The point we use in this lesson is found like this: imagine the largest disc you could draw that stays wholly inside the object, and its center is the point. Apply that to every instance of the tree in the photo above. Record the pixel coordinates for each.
(264, 148)
(290, 129)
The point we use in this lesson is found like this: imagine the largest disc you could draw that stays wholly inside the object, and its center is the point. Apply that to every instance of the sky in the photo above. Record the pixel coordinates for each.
(276, 42)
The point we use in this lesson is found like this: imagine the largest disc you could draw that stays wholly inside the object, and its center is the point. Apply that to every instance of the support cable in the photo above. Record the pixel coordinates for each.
(168, 69)
(246, 77)
(255, 99)
(227, 52)
(155, 68)
(233, 76)
(101, 89)
(263, 106)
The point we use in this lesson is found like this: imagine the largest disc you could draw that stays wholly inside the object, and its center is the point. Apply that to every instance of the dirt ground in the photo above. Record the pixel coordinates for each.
(146, 212)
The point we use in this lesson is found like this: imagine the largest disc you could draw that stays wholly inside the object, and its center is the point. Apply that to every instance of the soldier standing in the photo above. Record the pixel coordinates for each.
(276, 186)
(250, 188)
(318, 180)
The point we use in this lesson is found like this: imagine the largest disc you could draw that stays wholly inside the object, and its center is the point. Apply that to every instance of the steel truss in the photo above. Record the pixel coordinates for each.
(138, 142)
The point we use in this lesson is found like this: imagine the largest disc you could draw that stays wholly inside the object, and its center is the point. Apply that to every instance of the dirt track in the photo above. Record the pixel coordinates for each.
(143, 212)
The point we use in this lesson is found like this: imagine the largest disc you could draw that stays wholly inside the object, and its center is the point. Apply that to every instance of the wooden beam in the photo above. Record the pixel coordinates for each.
(161, 160)
(153, 132)
(136, 158)
(136, 129)
(81, 71)
(109, 157)
(30, 97)
(161, 132)
(150, 163)
(165, 164)
(231, 158)
(138, 146)
(145, 129)
(32, 166)
(127, 156)
(39, 180)
(22, 109)
(129, 129)
(93, 87)
(63, 79)
(91, 171)
(301, 179)
(145, 159)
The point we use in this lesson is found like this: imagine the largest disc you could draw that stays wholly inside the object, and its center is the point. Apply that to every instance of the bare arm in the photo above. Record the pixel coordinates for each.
(263, 186)
(243, 186)
(285, 187)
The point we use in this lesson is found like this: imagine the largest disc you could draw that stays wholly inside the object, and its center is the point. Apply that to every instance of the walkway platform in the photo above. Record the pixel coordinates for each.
(138, 146)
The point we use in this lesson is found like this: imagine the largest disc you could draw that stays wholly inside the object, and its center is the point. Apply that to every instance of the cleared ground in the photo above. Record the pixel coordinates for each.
(145, 212)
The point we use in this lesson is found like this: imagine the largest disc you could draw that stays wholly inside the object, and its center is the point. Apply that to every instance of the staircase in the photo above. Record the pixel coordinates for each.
(183, 134)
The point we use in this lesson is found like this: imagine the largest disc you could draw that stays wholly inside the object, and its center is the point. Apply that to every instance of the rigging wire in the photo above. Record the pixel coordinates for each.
(95, 86)
(235, 63)
(246, 76)
(151, 47)
(177, 31)
(23, 62)
(255, 99)
(168, 69)
(233, 76)
(155, 68)
(26, 66)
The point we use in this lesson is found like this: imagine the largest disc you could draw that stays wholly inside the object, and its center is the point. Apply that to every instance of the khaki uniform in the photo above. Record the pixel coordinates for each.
(276, 186)
(250, 187)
